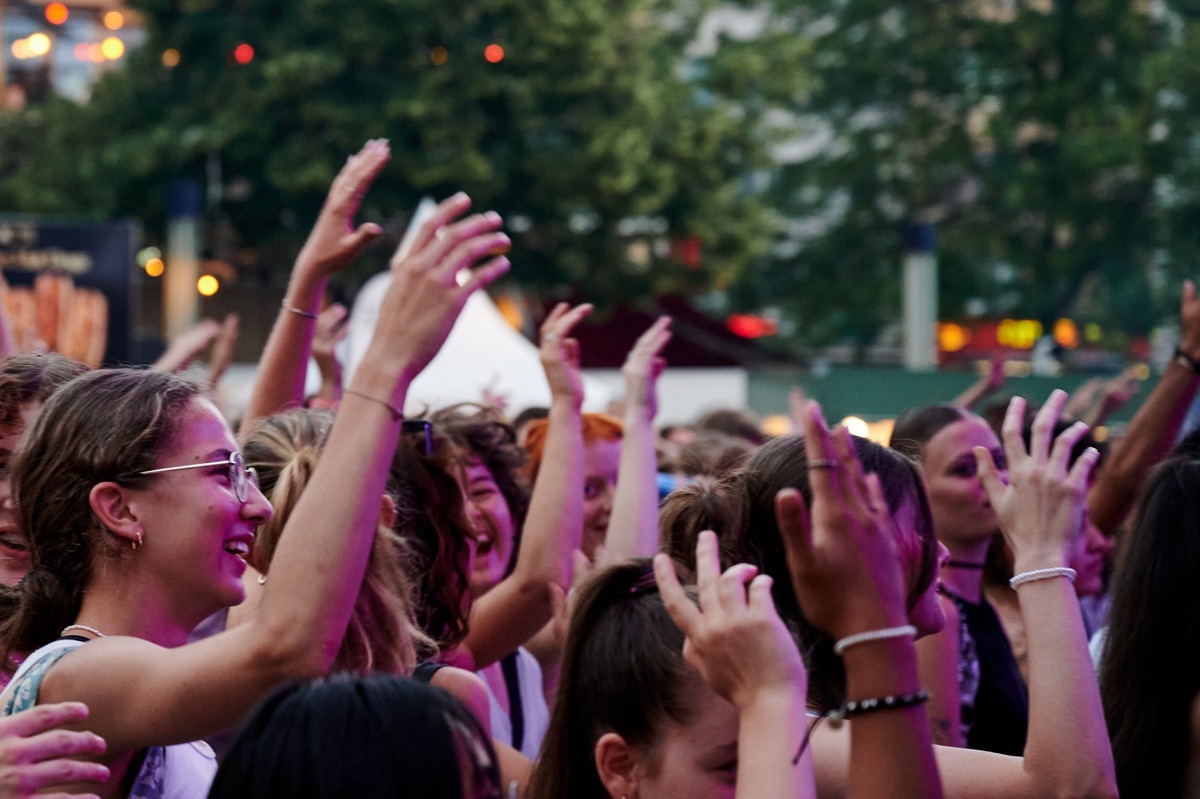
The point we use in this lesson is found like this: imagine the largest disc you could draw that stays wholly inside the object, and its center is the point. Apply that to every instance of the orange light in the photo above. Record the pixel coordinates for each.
(57, 13)
(493, 53)
(1066, 333)
(207, 285)
(96, 53)
(750, 326)
(952, 337)
(114, 20)
(170, 58)
(438, 56)
(155, 268)
(243, 54)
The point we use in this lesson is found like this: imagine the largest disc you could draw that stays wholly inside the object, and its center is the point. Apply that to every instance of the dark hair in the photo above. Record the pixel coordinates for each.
(623, 671)
(108, 424)
(915, 427)
(357, 736)
(705, 504)
(733, 422)
(431, 519)
(480, 432)
(33, 378)
(1150, 670)
(781, 463)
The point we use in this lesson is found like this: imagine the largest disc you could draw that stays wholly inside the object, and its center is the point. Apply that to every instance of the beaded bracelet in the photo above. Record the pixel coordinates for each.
(1042, 574)
(907, 631)
(1186, 361)
(857, 708)
(298, 311)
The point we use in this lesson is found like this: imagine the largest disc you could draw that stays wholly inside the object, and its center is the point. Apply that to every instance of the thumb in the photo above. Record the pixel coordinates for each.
(358, 241)
(791, 514)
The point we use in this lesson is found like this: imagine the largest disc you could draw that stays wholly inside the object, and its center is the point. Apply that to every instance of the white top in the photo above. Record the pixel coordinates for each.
(533, 704)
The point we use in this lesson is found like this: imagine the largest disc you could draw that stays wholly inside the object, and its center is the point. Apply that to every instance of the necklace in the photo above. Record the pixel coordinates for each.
(83, 627)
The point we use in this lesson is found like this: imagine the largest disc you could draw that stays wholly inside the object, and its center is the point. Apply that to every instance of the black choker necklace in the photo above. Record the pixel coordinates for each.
(966, 564)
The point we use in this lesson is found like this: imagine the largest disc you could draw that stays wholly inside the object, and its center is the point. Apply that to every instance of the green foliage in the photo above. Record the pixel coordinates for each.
(593, 117)
(1052, 141)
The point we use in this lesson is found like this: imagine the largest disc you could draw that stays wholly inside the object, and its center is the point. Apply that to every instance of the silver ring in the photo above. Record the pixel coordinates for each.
(550, 337)
(823, 463)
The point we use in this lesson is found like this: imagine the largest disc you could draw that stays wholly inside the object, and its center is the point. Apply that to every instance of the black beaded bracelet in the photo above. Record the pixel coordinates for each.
(849, 708)
(1186, 361)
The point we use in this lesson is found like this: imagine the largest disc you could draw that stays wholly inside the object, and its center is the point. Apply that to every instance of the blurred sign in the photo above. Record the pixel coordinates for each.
(80, 276)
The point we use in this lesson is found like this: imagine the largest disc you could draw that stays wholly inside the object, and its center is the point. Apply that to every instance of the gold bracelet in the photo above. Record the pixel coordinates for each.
(298, 311)
(397, 414)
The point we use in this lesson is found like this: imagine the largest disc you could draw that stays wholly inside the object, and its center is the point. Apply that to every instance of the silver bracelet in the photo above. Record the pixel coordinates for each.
(907, 631)
(298, 311)
(1042, 574)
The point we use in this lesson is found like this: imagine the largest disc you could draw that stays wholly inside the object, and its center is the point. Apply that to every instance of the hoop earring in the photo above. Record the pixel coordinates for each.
(137, 544)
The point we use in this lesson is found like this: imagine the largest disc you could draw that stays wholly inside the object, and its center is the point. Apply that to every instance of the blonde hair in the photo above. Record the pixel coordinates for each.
(382, 636)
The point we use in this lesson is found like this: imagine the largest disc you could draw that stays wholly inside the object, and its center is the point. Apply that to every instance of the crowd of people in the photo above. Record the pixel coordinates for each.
(339, 599)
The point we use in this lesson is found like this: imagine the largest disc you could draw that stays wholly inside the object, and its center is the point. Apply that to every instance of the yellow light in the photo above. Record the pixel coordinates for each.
(207, 285)
(1141, 371)
(438, 56)
(779, 424)
(856, 426)
(114, 20)
(1092, 332)
(39, 44)
(20, 50)
(952, 337)
(1019, 333)
(170, 57)
(155, 268)
(113, 48)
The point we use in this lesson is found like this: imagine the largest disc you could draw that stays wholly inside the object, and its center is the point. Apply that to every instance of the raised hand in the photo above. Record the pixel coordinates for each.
(425, 296)
(35, 755)
(842, 552)
(643, 366)
(560, 353)
(335, 241)
(222, 349)
(1041, 507)
(187, 346)
(735, 639)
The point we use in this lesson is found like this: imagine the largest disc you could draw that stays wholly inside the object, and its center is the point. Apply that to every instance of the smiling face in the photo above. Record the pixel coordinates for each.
(962, 515)
(601, 458)
(14, 550)
(197, 532)
(492, 523)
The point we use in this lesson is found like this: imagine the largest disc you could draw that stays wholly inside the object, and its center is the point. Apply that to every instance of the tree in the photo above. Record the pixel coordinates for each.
(1049, 139)
(589, 134)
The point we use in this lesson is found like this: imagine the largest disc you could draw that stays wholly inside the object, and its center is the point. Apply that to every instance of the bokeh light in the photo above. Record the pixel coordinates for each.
(243, 54)
(155, 268)
(57, 13)
(207, 285)
(170, 57)
(114, 20)
(113, 48)
(493, 53)
(438, 56)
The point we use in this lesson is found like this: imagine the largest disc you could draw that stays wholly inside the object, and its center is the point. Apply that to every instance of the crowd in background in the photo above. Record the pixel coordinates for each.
(331, 597)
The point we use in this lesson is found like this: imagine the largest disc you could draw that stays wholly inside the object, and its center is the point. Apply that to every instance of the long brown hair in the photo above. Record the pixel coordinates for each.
(382, 635)
(110, 424)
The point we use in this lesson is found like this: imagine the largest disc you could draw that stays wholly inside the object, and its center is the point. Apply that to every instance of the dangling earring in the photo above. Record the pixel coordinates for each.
(137, 544)
(262, 579)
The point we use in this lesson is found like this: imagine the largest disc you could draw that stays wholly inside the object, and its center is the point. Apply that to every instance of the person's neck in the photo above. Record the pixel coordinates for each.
(115, 607)
(965, 581)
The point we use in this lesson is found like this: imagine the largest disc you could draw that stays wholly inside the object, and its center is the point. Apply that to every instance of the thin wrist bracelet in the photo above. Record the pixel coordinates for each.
(297, 311)
(1183, 359)
(1042, 574)
(397, 414)
(907, 631)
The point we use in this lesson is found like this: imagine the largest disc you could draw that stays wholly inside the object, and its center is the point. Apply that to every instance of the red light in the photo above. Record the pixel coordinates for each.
(493, 53)
(243, 54)
(57, 13)
(750, 326)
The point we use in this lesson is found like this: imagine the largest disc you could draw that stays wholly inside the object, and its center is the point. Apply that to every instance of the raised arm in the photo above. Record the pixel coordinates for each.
(332, 245)
(845, 568)
(1151, 432)
(633, 523)
(513, 611)
(984, 387)
(332, 327)
(155, 696)
(742, 649)
(1041, 511)
(187, 346)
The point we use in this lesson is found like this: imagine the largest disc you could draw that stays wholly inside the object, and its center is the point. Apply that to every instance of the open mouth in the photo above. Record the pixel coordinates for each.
(238, 549)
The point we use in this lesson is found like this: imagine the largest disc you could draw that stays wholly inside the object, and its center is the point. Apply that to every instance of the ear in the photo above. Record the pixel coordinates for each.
(111, 504)
(387, 512)
(617, 765)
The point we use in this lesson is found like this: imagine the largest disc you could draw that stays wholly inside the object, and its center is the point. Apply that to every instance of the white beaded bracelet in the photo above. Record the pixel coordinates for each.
(907, 631)
(1042, 574)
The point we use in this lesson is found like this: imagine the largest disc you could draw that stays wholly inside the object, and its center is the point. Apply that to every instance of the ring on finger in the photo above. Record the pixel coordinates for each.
(823, 463)
(550, 337)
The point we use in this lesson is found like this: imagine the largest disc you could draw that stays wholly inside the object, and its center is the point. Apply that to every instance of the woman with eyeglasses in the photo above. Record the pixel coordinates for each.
(139, 512)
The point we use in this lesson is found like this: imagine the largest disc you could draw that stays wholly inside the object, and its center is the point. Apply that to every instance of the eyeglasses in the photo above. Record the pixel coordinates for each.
(241, 477)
